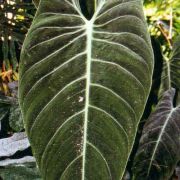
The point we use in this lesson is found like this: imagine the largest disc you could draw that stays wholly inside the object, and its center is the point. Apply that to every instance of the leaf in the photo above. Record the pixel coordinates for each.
(4, 108)
(83, 87)
(5, 51)
(5, 101)
(26, 159)
(12, 168)
(15, 118)
(3, 115)
(36, 3)
(126, 176)
(3, 112)
(12, 51)
(159, 149)
(17, 142)
(175, 64)
(25, 171)
(171, 69)
(178, 172)
(9, 109)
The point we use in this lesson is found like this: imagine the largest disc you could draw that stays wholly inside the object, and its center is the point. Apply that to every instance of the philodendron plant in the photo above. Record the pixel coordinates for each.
(85, 76)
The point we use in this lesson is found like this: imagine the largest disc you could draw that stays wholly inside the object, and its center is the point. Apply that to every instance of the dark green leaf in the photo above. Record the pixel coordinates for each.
(5, 104)
(15, 118)
(9, 107)
(5, 51)
(83, 87)
(13, 54)
(27, 171)
(175, 65)
(36, 3)
(178, 172)
(171, 69)
(159, 149)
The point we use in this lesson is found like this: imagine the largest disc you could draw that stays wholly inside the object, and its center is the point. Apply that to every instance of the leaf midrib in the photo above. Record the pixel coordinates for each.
(160, 137)
(89, 32)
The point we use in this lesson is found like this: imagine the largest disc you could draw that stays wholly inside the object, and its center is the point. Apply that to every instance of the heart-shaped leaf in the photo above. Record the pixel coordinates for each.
(84, 84)
(159, 149)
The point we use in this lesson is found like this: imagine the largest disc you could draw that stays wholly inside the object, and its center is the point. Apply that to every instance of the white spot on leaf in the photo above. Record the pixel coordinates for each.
(81, 99)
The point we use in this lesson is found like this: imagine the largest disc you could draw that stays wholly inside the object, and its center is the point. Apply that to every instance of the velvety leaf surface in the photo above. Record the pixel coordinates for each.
(83, 87)
(159, 149)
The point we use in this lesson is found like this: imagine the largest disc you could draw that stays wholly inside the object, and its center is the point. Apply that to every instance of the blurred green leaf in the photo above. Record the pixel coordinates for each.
(26, 171)
(15, 118)
(9, 108)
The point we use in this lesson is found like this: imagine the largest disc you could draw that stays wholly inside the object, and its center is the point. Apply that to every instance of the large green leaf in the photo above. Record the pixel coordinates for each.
(159, 149)
(84, 85)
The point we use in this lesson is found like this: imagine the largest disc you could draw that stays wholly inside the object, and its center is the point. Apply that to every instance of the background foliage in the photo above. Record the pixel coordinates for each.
(163, 17)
